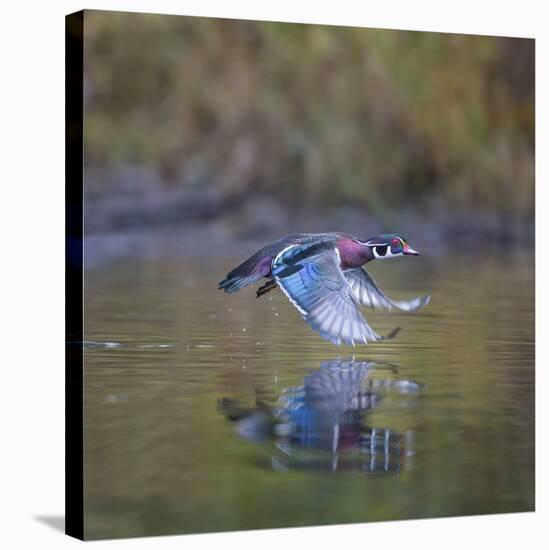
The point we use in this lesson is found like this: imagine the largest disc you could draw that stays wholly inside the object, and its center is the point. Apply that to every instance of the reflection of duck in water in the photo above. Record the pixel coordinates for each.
(322, 275)
(320, 425)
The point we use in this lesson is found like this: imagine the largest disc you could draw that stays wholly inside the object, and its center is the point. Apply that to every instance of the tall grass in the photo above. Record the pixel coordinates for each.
(327, 115)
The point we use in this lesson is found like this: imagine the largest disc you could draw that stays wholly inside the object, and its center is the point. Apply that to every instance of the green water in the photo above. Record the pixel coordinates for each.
(196, 418)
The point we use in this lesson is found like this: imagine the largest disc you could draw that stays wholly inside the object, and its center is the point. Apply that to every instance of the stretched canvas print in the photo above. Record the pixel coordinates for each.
(300, 275)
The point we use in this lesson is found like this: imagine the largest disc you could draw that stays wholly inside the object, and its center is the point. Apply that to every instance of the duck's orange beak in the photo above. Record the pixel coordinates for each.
(409, 251)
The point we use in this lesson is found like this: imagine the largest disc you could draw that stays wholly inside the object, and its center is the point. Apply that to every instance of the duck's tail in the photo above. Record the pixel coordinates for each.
(234, 284)
(247, 273)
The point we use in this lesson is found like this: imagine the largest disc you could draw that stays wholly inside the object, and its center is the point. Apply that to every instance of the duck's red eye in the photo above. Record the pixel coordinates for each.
(395, 242)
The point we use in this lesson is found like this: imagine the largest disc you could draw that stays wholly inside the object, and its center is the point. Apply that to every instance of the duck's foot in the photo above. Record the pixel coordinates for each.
(391, 334)
(269, 285)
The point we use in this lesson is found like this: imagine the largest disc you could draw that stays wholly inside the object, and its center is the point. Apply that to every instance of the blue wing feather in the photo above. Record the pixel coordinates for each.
(367, 293)
(317, 287)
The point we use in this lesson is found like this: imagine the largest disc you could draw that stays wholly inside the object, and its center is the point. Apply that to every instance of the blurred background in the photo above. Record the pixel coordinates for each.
(232, 129)
(205, 139)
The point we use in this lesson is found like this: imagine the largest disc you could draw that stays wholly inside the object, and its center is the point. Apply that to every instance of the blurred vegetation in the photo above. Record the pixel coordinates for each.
(327, 115)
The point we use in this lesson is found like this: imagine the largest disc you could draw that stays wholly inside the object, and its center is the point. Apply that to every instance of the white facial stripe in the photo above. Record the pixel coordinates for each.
(388, 254)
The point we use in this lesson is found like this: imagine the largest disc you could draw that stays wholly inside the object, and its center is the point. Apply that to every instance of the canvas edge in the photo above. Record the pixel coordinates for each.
(74, 373)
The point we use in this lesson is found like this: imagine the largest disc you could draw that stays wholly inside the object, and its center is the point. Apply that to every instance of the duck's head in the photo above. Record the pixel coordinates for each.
(389, 246)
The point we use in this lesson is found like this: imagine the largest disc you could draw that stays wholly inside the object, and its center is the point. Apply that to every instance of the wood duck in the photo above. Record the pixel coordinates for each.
(322, 276)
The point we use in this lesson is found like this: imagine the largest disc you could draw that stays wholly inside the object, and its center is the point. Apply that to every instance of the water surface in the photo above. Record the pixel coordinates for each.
(209, 412)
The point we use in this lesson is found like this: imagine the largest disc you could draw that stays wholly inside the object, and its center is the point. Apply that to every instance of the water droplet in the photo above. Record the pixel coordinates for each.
(276, 314)
(244, 329)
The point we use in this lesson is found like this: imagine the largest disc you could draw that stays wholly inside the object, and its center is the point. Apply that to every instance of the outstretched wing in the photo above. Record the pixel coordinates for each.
(368, 293)
(312, 280)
